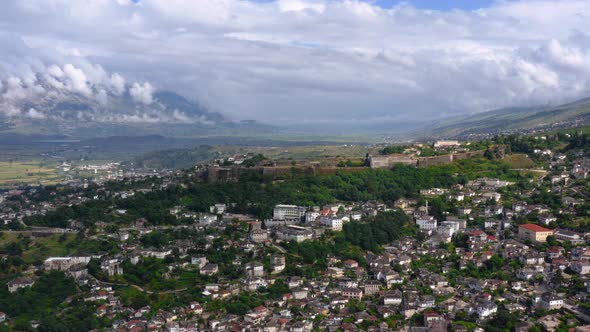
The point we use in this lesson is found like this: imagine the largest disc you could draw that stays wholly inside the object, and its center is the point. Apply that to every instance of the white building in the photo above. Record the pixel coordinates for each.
(454, 226)
(111, 266)
(311, 216)
(283, 211)
(17, 283)
(331, 222)
(199, 261)
(447, 143)
(259, 235)
(356, 216)
(459, 197)
(277, 263)
(581, 267)
(463, 210)
(299, 293)
(63, 263)
(490, 195)
(550, 301)
(161, 253)
(427, 223)
(298, 234)
(209, 269)
(567, 235)
(206, 219)
(254, 269)
(352, 293)
(486, 309)
(218, 208)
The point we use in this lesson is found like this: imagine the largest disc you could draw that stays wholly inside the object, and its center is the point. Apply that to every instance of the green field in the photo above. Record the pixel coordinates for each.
(519, 161)
(522, 163)
(27, 172)
(38, 249)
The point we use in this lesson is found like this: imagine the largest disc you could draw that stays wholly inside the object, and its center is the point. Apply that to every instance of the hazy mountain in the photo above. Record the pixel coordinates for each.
(47, 106)
(57, 104)
(511, 120)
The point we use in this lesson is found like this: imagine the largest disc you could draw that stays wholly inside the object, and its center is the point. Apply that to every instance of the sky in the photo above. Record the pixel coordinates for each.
(303, 61)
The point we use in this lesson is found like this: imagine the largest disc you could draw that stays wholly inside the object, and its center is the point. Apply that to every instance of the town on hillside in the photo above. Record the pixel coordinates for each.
(451, 236)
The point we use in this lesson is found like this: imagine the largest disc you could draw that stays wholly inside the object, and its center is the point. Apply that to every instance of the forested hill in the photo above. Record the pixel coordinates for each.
(253, 194)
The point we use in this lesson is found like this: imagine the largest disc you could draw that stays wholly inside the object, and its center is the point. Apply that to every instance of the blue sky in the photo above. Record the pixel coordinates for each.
(440, 4)
(300, 61)
(430, 4)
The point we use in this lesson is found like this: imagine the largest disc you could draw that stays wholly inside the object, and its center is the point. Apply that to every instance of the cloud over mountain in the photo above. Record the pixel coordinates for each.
(71, 93)
(291, 61)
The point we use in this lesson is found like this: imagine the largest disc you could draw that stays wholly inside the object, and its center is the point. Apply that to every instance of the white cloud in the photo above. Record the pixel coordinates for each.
(34, 114)
(142, 93)
(55, 71)
(291, 60)
(102, 97)
(14, 89)
(301, 5)
(77, 80)
(118, 84)
(11, 111)
(180, 116)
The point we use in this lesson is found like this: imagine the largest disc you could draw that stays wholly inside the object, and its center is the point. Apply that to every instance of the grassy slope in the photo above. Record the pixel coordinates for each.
(512, 119)
(41, 248)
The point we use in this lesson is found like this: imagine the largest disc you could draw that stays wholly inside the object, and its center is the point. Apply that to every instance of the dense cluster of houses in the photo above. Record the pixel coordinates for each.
(433, 278)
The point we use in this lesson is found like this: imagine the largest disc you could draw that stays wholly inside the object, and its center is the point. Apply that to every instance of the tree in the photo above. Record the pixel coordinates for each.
(495, 263)
(392, 149)
(277, 289)
(552, 240)
(94, 267)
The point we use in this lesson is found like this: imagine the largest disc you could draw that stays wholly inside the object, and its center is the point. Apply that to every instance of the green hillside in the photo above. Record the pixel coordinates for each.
(509, 120)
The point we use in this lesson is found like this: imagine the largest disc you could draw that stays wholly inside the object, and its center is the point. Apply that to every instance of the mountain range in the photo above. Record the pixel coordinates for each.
(47, 106)
(57, 104)
(511, 120)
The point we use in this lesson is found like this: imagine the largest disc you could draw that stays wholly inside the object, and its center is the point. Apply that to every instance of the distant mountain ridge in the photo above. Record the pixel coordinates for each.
(49, 107)
(57, 103)
(511, 120)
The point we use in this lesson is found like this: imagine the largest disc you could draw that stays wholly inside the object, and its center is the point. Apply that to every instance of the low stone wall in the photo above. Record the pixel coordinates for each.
(389, 161)
(447, 158)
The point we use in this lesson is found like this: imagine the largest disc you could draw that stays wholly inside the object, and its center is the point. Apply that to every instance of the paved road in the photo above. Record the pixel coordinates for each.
(159, 292)
(44, 230)
(281, 249)
(577, 312)
(139, 288)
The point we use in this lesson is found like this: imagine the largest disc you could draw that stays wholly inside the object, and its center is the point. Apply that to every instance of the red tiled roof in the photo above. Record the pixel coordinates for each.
(535, 228)
(431, 314)
(350, 262)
